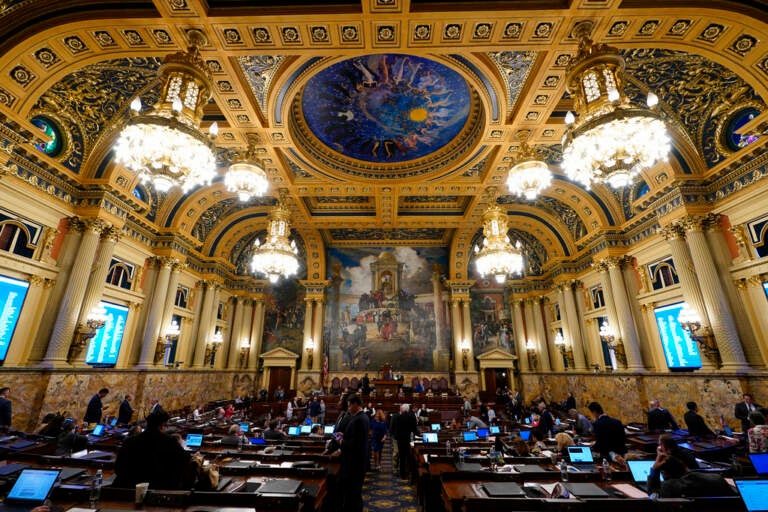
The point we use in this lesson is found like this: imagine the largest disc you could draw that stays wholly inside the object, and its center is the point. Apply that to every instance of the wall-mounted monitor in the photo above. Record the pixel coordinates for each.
(681, 352)
(12, 295)
(105, 346)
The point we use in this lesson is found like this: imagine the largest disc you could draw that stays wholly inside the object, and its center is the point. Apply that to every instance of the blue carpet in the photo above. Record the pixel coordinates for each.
(384, 491)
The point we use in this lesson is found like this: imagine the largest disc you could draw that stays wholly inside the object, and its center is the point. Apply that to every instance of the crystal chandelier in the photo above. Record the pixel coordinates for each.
(245, 177)
(498, 257)
(165, 145)
(612, 141)
(529, 176)
(277, 256)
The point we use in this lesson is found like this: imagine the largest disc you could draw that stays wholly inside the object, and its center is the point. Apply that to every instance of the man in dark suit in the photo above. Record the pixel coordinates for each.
(610, 440)
(660, 418)
(743, 409)
(546, 421)
(695, 423)
(5, 408)
(125, 413)
(95, 407)
(404, 425)
(354, 456)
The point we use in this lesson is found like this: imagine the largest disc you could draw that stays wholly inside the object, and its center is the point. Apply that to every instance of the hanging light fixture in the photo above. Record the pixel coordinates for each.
(529, 176)
(498, 257)
(245, 177)
(277, 256)
(611, 141)
(165, 145)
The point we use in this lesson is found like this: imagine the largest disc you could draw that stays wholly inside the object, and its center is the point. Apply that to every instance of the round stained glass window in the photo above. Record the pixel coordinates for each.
(735, 140)
(55, 141)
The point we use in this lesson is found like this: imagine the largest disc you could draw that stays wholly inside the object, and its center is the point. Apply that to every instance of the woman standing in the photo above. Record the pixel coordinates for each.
(378, 436)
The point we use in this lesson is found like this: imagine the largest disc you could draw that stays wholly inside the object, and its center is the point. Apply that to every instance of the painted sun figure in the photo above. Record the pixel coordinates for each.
(418, 115)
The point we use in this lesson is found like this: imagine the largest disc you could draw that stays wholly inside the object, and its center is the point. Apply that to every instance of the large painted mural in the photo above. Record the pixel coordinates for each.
(284, 317)
(386, 306)
(490, 316)
(386, 107)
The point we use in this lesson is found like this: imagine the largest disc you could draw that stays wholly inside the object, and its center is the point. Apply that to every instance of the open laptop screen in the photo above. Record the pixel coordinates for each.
(113, 422)
(754, 493)
(760, 461)
(33, 486)
(482, 433)
(435, 427)
(244, 427)
(495, 429)
(294, 431)
(525, 435)
(306, 429)
(470, 436)
(98, 430)
(429, 437)
(580, 454)
(194, 440)
(328, 429)
(641, 470)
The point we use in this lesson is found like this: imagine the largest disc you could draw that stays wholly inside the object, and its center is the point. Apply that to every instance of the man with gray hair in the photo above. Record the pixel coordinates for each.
(659, 418)
(404, 425)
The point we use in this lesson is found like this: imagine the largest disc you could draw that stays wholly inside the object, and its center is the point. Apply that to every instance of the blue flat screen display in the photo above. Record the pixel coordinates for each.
(105, 346)
(680, 350)
(12, 295)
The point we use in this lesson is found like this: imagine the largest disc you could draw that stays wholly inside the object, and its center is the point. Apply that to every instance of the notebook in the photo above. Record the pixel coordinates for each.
(503, 489)
(525, 435)
(194, 441)
(31, 489)
(585, 490)
(495, 429)
(435, 427)
(280, 486)
(641, 469)
(429, 437)
(469, 436)
(754, 493)
(581, 457)
(760, 461)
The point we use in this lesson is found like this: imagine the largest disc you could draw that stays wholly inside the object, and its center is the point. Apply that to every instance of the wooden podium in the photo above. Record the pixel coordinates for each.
(387, 386)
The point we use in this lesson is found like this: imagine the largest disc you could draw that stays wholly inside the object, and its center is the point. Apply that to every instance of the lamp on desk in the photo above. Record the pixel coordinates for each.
(533, 358)
(245, 348)
(608, 336)
(95, 320)
(310, 350)
(690, 321)
(465, 353)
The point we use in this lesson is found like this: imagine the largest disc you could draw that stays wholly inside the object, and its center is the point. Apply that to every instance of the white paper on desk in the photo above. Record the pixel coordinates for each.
(286, 465)
(630, 491)
(79, 509)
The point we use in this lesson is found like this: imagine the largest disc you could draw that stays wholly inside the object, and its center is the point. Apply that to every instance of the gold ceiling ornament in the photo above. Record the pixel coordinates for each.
(530, 175)
(611, 141)
(278, 255)
(164, 145)
(498, 257)
(245, 177)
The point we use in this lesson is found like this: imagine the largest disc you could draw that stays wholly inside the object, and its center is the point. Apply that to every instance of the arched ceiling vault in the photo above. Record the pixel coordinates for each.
(326, 92)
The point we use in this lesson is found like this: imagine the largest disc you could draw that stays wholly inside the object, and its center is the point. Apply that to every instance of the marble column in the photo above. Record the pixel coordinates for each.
(317, 333)
(757, 305)
(37, 351)
(257, 332)
(66, 320)
(197, 296)
(541, 335)
(309, 311)
(205, 327)
(170, 301)
(98, 278)
(626, 326)
(467, 335)
(235, 336)
(574, 330)
(456, 328)
(66, 259)
(519, 334)
(152, 329)
(715, 301)
(610, 306)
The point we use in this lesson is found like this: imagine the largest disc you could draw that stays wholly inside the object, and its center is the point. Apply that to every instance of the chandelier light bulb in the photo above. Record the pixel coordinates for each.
(652, 100)
(570, 118)
(613, 94)
(176, 106)
(136, 104)
(213, 130)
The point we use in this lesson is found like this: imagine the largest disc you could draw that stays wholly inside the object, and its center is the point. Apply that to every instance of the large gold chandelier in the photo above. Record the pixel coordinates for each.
(498, 257)
(165, 145)
(530, 175)
(277, 256)
(611, 141)
(245, 177)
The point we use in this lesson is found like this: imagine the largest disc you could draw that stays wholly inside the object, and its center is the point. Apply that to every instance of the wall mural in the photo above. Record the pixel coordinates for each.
(490, 317)
(386, 107)
(386, 306)
(284, 317)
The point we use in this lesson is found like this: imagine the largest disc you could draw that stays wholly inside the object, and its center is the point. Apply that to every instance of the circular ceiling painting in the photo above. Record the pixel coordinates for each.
(386, 108)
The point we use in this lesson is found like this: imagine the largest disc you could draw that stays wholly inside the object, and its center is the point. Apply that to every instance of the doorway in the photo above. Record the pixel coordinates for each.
(279, 376)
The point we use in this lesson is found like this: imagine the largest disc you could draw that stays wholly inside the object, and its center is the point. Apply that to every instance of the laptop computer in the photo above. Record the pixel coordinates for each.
(96, 433)
(586, 490)
(429, 437)
(435, 427)
(244, 427)
(257, 440)
(754, 493)
(193, 441)
(294, 431)
(503, 489)
(581, 458)
(482, 433)
(469, 436)
(760, 461)
(306, 429)
(31, 489)
(525, 435)
(328, 429)
(641, 469)
(280, 486)
(494, 429)
(113, 423)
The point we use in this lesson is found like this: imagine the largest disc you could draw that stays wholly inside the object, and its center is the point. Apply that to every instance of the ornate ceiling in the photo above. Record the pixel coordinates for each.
(386, 122)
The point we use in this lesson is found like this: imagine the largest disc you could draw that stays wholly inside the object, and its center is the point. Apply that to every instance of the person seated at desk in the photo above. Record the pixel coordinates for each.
(581, 424)
(491, 415)
(197, 413)
(538, 442)
(520, 448)
(229, 411)
(423, 414)
(473, 422)
(155, 457)
(235, 437)
(563, 441)
(758, 434)
(695, 423)
(675, 466)
(70, 441)
(659, 418)
(272, 433)
(316, 432)
(52, 425)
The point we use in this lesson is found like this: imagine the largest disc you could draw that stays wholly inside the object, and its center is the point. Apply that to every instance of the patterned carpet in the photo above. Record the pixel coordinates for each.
(385, 492)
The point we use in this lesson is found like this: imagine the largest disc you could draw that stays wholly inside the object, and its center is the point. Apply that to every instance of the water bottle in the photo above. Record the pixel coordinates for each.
(563, 471)
(448, 448)
(240, 443)
(96, 489)
(606, 470)
(411, 436)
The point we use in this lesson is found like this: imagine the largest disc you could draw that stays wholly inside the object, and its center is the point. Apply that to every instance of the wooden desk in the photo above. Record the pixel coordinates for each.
(383, 387)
